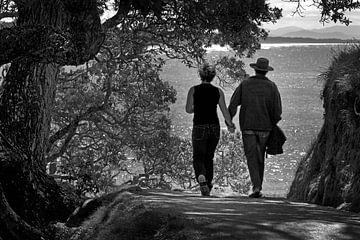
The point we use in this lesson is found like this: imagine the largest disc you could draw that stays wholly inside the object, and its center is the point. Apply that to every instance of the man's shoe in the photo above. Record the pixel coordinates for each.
(204, 188)
(255, 195)
(210, 187)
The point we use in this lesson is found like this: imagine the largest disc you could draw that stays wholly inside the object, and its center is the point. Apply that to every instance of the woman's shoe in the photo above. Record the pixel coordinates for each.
(204, 188)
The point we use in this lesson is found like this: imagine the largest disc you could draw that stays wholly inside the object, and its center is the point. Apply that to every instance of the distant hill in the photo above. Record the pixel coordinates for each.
(283, 31)
(353, 30)
(304, 40)
(317, 35)
(338, 32)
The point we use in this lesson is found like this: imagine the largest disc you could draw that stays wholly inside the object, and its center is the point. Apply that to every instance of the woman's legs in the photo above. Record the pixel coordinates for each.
(205, 139)
(199, 150)
(212, 143)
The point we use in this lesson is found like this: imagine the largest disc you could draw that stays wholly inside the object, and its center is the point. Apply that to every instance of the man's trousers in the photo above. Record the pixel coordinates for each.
(254, 147)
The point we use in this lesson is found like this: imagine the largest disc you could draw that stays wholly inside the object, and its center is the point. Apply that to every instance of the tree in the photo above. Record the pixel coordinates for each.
(331, 11)
(90, 140)
(167, 158)
(230, 164)
(51, 34)
(42, 39)
(95, 149)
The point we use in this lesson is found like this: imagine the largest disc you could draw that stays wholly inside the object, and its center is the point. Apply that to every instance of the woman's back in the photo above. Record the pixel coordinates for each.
(206, 97)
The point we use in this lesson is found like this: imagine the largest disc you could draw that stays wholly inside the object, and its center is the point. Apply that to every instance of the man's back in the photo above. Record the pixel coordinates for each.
(260, 104)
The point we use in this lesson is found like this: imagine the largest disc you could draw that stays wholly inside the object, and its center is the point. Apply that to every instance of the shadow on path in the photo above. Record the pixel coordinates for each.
(260, 219)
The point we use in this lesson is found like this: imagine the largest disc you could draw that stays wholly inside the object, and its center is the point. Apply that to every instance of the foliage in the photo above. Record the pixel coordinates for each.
(180, 169)
(171, 162)
(104, 109)
(169, 159)
(230, 163)
(105, 126)
(167, 162)
(331, 11)
(329, 173)
(342, 97)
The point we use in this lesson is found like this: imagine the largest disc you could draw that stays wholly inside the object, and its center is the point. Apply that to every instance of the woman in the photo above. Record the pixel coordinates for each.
(202, 100)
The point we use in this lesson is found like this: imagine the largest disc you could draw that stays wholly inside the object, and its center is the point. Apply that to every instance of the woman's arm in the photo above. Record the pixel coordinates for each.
(189, 108)
(225, 111)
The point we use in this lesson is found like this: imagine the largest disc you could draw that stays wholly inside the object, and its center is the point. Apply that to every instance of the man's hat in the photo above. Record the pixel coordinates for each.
(262, 64)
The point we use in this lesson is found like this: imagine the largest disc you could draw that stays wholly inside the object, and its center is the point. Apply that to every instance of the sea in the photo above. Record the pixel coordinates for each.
(297, 68)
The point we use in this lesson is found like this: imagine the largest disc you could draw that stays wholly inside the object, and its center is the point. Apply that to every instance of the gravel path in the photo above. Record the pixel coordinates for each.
(239, 217)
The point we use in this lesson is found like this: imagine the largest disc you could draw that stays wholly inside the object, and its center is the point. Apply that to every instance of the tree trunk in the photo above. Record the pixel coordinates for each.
(29, 198)
(12, 226)
(28, 93)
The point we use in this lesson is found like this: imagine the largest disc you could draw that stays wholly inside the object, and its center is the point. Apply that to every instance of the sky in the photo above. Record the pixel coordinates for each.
(310, 18)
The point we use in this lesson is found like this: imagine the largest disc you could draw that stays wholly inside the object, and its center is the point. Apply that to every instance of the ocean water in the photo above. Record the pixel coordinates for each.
(296, 71)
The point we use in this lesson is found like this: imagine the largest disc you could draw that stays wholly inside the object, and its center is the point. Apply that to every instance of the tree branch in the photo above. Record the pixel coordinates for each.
(43, 44)
(70, 129)
(74, 42)
(65, 145)
(73, 125)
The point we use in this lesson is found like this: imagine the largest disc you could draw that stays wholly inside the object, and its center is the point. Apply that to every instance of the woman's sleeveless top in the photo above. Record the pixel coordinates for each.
(206, 97)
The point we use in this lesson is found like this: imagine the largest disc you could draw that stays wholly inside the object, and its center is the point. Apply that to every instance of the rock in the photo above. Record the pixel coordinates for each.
(330, 173)
(128, 216)
(91, 205)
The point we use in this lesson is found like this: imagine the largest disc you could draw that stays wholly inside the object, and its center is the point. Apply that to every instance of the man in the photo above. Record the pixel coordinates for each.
(260, 110)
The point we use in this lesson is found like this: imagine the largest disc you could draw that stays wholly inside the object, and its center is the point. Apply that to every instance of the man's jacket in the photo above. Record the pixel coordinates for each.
(260, 103)
(275, 142)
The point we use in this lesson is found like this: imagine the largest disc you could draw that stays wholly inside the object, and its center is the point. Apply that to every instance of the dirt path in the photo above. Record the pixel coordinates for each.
(259, 219)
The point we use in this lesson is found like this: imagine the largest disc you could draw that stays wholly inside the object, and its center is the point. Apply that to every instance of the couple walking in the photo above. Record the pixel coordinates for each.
(260, 110)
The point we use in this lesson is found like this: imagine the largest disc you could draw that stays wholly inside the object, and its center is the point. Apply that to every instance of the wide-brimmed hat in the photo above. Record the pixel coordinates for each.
(262, 64)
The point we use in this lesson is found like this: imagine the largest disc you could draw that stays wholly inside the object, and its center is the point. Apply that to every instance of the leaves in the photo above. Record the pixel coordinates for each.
(332, 11)
(116, 104)
(230, 163)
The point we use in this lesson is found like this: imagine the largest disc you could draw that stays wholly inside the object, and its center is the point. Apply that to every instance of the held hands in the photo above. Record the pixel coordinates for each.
(231, 127)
